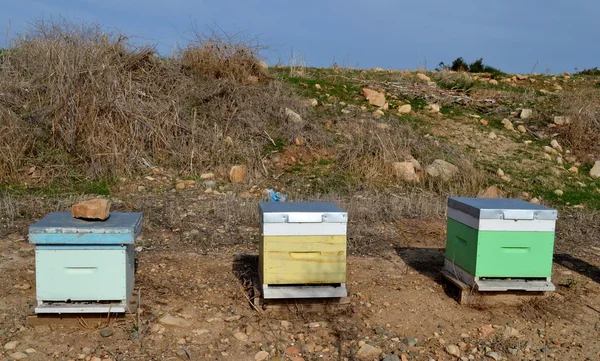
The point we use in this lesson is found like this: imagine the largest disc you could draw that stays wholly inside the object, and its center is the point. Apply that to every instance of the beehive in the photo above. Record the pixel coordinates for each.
(500, 244)
(302, 250)
(84, 266)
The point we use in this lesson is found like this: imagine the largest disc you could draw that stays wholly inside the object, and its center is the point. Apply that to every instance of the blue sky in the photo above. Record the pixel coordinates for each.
(511, 35)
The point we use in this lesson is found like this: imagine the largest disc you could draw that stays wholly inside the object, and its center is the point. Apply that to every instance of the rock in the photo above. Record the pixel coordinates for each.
(486, 331)
(311, 102)
(551, 150)
(492, 135)
(11, 345)
(547, 156)
(292, 351)
(237, 173)
(368, 352)
(433, 108)
(241, 336)
(168, 320)
(318, 86)
(404, 109)
(595, 171)
(180, 186)
(483, 121)
(263, 65)
(98, 209)
(554, 144)
(441, 169)
(453, 350)
(205, 176)
(423, 77)
(561, 120)
(491, 192)
(391, 358)
(534, 200)
(106, 332)
(383, 126)
(494, 355)
(526, 113)
(521, 77)
(510, 332)
(410, 341)
(559, 160)
(378, 113)
(405, 171)
(293, 116)
(261, 355)
(494, 82)
(521, 128)
(500, 172)
(558, 192)
(18, 356)
(374, 97)
(574, 170)
(252, 79)
(22, 286)
(508, 124)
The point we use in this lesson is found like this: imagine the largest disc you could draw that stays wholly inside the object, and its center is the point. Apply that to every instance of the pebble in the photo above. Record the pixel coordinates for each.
(106, 332)
(261, 355)
(314, 325)
(18, 356)
(24, 286)
(391, 358)
(453, 350)
(169, 320)
(241, 336)
(521, 128)
(11, 345)
(500, 172)
(492, 135)
(410, 341)
(368, 352)
(494, 355)
(558, 192)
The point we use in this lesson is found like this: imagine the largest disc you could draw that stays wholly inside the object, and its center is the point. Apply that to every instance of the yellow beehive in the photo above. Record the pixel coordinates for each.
(302, 243)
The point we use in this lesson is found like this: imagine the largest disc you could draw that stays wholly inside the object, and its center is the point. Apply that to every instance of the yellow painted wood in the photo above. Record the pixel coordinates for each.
(303, 259)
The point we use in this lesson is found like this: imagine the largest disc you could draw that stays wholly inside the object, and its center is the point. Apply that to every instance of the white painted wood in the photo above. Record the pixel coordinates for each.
(524, 225)
(497, 285)
(323, 291)
(304, 229)
(63, 308)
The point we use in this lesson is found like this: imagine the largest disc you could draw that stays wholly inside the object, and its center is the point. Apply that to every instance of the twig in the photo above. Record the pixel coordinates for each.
(271, 139)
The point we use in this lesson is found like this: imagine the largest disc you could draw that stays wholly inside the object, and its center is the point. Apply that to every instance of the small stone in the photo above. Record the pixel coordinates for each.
(494, 82)
(500, 172)
(508, 124)
(11, 345)
(410, 341)
(433, 108)
(237, 173)
(249, 330)
(311, 102)
(392, 358)
(494, 355)
(561, 120)
(205, 176)
(527, 142)
(558, 192)
(379, 331)
(368, 352)
(180, 186)
(106, 332)
(554, 144)
(491, 192)
(86, 350)
(547, 156)
(483, 121)
(492, 135)
(98, 209)
(595, 171)
(22, 286)
(534, 200)
(241, 336)
(378, 113)
(405, 171)
(314, 325)
(526, 113)
(442, 170)
(261, 355)
(550, 150)
(453, 350)
(404, 109)
(374, 97)
(292, 351)
(510, 332)
(293, 116)
(559, 160)
(423, 77)
(18, 356)
(172, 321)
(521, 128)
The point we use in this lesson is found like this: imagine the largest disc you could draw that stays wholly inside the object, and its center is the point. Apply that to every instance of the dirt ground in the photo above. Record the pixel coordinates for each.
(197, 267)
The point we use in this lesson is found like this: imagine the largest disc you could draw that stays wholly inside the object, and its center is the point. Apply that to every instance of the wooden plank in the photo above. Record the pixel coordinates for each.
(309, 305)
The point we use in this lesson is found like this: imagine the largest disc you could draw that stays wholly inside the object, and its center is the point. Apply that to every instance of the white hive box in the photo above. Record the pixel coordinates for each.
(84, 266)
(302, 250)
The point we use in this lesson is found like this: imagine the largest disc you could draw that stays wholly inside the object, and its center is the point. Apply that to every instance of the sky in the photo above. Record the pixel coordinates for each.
(516, 36)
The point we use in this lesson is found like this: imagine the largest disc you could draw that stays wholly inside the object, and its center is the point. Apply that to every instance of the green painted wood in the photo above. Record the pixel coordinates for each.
(461, 245)
(515, 254)
(503, 254)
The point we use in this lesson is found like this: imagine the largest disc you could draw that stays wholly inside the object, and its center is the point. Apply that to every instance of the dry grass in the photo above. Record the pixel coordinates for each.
(583, 135)
(113, 109)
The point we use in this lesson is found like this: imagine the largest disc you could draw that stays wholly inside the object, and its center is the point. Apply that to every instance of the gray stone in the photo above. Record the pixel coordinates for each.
(368, 352)
(526, 113)
(293, 116)
(410, 341)
(595, 171)
(442, 170)
(453, 350)
(18, 356)
(169, 320)
(106, 332)
(494, 355)
(391, 358)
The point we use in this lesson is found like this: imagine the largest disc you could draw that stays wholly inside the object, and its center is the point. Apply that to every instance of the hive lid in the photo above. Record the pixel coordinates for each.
(72, 229)
(501, 208)
(302, 212)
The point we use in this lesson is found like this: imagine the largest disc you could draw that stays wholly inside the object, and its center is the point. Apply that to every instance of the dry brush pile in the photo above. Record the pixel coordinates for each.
(74, 98)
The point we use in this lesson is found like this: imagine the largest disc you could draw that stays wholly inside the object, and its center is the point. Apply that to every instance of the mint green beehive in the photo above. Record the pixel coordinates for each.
(500, 244)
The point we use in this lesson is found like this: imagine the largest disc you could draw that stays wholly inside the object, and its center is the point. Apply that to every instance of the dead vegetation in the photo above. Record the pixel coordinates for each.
(74, 96)
(583, 109)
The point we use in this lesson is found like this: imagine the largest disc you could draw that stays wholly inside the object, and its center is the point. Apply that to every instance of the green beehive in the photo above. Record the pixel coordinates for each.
(500, 244)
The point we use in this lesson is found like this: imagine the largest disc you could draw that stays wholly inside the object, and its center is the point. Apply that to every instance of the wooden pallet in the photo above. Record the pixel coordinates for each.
(470, 295)
(86, 320)
(309, 305)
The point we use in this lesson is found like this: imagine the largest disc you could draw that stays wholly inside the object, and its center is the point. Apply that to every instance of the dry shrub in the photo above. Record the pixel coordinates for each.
(115, 109)
(16, 138)
(583, 134)
(369, 150)
(221, 55)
